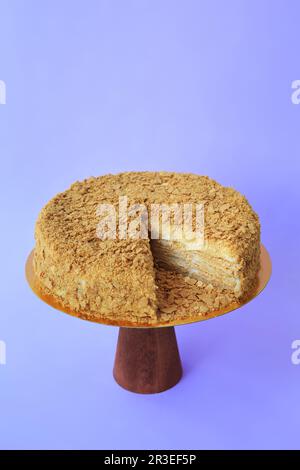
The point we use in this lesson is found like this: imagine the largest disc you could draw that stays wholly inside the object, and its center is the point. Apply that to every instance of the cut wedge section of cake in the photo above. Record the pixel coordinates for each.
(213, 264)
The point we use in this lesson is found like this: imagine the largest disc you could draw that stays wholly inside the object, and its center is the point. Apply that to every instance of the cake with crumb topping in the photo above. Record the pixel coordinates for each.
(144, 280)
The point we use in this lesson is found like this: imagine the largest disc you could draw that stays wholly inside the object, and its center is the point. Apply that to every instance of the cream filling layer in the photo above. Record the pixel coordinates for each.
(209, 265)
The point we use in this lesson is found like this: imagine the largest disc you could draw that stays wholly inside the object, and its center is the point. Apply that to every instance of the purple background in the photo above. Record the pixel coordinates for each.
(106, 86)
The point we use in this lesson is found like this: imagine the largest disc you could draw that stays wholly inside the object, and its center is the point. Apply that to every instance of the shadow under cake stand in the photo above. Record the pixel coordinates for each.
(147, 358)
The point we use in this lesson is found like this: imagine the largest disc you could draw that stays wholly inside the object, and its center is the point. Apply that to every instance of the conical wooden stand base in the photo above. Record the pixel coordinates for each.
(147, 359)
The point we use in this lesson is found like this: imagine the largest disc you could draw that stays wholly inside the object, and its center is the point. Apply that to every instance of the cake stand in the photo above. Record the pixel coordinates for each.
(147, 358)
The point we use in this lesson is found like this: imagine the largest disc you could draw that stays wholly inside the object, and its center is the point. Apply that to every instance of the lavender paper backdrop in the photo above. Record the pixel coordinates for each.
(105, 86)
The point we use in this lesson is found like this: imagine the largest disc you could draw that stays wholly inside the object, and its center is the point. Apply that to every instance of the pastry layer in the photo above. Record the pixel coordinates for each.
(208, 264)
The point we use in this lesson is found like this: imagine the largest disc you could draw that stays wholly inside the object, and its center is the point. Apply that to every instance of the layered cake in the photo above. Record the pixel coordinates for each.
(105, 262)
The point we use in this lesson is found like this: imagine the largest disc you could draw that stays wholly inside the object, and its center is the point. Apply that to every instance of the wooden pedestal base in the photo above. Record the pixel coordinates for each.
(147, 359)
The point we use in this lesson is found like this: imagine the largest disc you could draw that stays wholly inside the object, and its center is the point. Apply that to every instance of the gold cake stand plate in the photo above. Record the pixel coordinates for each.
(147, 358)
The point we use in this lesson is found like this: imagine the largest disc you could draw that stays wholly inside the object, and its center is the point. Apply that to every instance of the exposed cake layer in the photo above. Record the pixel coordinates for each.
(208, 264)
